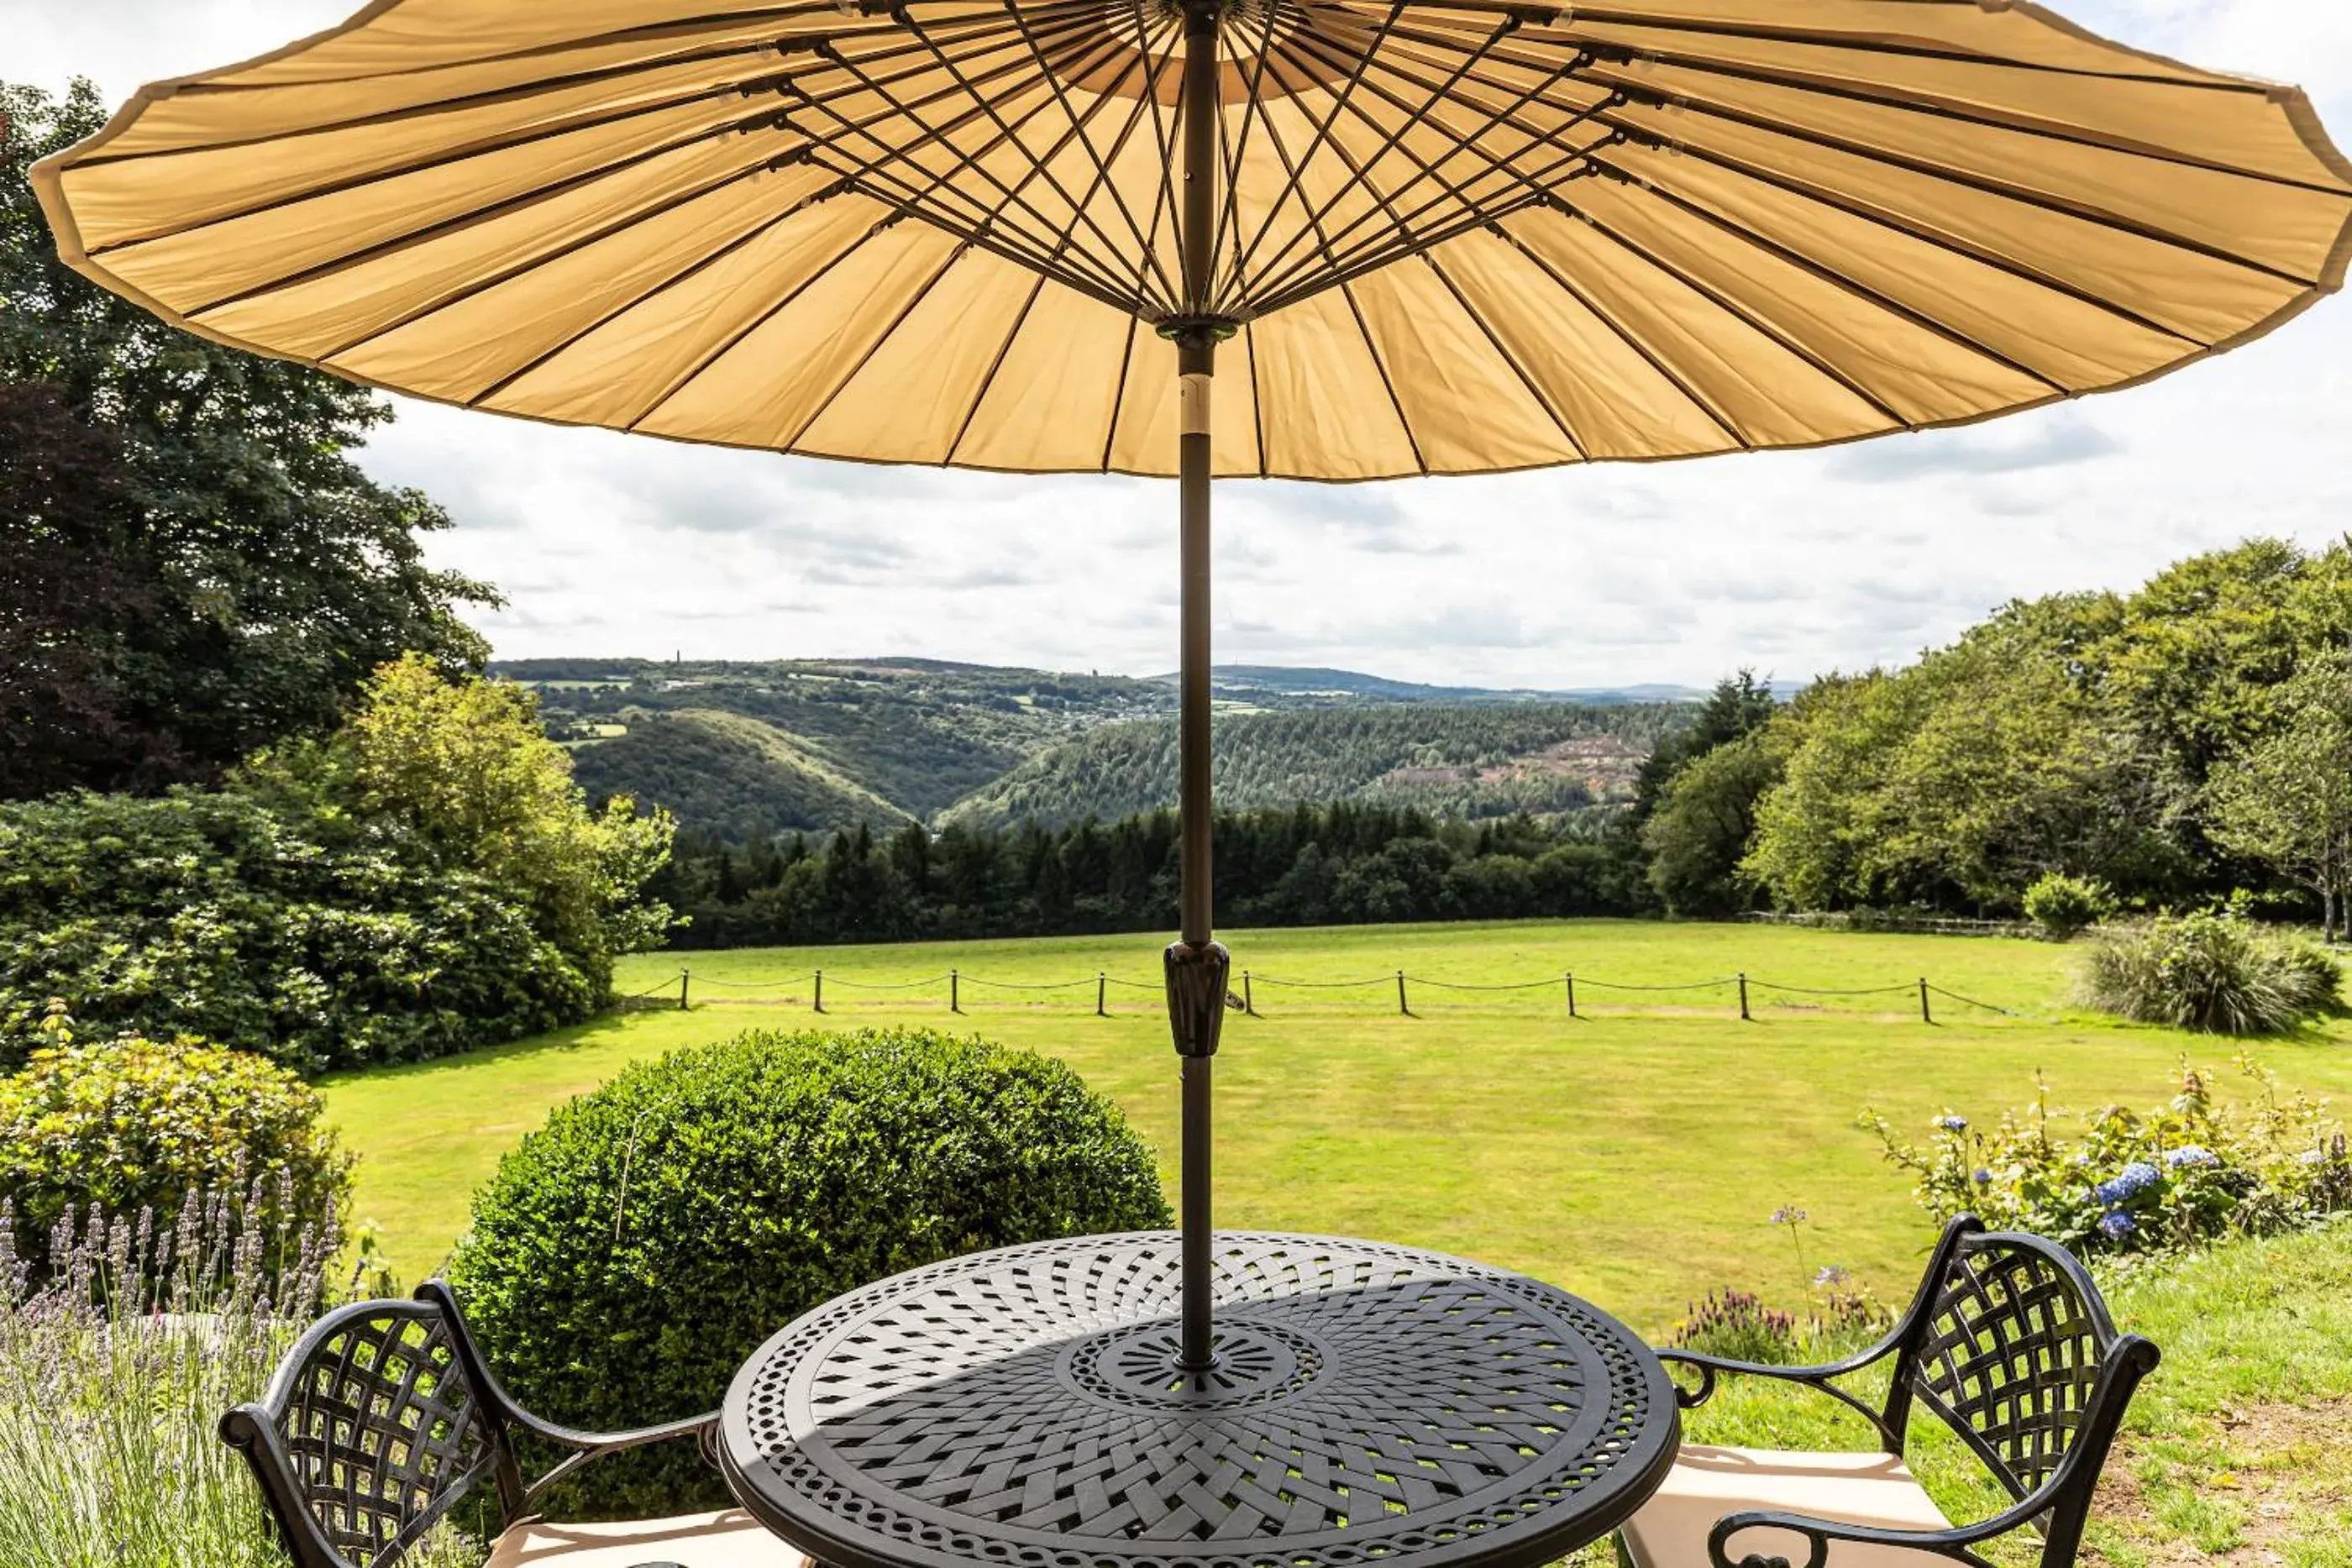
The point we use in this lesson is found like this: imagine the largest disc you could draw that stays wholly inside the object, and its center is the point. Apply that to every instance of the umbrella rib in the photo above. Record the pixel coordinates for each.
(1088, 271)
(1987, 184)
(972, 411)
(491, 213)
(1275, 138)
(1291, 284)
(728, 342)
(1102, 161)
(763, 17)
(1747, 317)
(1257, 402)
(1294, 284)
(1589, 15)
(1229, 218)
(921, 293)
(2024, 272)
(2074, 136)
(487, 96)
(1093, 276)
(1163, 202)
(1291, 186)
(448, 157)
(1627, 336)
(1118, 393)
(1039, 167)
(1830, 275)
(1386, 201)
(1362, 172)
(700, 265)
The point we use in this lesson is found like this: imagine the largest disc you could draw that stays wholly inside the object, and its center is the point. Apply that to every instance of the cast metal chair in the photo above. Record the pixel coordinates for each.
(383, 1417)
(2008, 1343)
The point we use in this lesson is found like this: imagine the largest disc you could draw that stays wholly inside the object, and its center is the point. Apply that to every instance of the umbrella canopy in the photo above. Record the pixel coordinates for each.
(942, 231)
(1429, 238)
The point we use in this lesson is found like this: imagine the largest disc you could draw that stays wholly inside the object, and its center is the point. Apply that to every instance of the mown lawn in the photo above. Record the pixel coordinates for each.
(1635, 1158)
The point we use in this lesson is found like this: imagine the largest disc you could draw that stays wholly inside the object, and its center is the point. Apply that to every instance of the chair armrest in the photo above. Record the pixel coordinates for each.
(1814, 1377)
(590, 1445)
(1818, 1533)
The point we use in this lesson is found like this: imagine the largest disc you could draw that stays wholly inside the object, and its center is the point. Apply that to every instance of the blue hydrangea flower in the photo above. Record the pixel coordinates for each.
(1951, 1123)
(2115, 1225)
(2135, 1177)
(2191, 1156)
(1982, 1176)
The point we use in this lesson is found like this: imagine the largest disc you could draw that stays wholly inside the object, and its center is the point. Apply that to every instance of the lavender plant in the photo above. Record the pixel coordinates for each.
(115, 1365)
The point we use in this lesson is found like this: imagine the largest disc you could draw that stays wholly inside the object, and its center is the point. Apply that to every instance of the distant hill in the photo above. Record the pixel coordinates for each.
(1455, 760)
(729, 775)
(747, 750)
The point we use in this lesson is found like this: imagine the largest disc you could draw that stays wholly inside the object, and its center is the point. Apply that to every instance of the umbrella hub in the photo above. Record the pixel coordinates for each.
(1315, 44)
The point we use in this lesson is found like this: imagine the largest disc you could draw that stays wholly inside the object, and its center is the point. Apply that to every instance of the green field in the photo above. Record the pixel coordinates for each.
(1634, 1155)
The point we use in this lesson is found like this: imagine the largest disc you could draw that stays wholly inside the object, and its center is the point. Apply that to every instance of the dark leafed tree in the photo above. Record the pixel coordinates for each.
(196, 567)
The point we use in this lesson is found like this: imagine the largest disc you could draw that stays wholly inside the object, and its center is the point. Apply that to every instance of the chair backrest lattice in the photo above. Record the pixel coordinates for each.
(2010, 1352)
(381, 1426)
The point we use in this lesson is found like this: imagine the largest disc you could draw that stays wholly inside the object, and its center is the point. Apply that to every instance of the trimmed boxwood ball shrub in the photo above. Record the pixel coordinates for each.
(628, 1257)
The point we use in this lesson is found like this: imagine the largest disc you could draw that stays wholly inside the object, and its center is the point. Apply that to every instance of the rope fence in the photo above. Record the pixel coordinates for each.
(1242, 997)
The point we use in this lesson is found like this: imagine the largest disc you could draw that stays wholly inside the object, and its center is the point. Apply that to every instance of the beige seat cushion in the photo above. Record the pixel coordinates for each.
(1670, 1532)
(729, 1539)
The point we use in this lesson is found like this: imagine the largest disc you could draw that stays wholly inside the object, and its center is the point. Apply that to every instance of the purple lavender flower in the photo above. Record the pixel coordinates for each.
(2193, 1156)
(2115, 1225)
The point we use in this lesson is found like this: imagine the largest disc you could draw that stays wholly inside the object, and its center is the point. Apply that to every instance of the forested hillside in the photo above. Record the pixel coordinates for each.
(742, 752)
(1482, 760)
(730, 775)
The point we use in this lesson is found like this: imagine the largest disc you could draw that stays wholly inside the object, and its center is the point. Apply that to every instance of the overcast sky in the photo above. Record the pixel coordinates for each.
(1795, 563)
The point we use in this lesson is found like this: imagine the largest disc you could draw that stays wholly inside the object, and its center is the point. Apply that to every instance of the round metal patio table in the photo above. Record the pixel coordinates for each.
(1371, 1403)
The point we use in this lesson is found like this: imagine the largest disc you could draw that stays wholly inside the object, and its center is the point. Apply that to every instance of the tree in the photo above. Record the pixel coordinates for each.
(2287, 799)
(1705, 817)
(76, 593)
(460, 773)
(215, 573)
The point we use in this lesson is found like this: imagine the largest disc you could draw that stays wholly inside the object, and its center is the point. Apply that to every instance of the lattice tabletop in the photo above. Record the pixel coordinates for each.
(1371, 1403)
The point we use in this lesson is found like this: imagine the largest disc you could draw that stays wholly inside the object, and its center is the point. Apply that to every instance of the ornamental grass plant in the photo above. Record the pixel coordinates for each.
(116, 1363)
(2214, 971)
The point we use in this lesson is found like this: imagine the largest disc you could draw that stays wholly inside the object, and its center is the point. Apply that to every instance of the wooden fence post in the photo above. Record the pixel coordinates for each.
(819, 990)
(683, 975)
(1743, 996)
(1249, 1004)
(1925, 1016)
(1100, 987)
(1401, 1007)
(1570, 978)
(955, 997)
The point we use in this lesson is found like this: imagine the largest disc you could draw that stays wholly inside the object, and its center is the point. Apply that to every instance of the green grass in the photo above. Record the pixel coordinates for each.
(1632, 1157)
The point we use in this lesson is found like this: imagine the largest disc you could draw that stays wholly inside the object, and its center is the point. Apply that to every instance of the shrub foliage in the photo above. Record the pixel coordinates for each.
(627, 1258)
(137, 1124)
(2178, 1175)
(2212, 971)
(2063, 905)
(422, 882)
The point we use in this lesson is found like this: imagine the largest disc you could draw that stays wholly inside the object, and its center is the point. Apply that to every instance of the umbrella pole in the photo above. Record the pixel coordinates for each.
(1196, 965)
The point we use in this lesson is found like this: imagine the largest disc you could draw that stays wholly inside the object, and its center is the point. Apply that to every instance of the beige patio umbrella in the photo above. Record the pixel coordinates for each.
(1415, 237)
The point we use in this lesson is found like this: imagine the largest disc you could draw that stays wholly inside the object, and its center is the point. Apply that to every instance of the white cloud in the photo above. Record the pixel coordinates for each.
(1797, 562)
